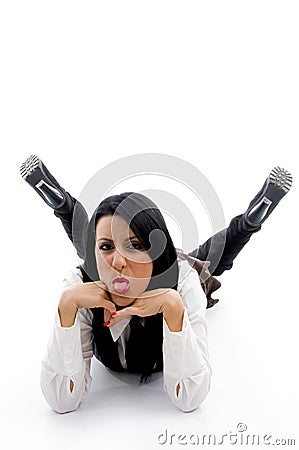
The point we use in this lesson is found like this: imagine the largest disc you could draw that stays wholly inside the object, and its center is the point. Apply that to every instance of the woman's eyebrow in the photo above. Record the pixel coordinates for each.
(111, 240)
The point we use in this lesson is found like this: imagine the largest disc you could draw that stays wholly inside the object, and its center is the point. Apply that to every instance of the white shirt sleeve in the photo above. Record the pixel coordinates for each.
(185, 353)
(67, 358)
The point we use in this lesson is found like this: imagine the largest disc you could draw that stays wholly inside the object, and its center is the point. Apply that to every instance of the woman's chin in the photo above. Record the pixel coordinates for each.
(122, 300)
(127, 298)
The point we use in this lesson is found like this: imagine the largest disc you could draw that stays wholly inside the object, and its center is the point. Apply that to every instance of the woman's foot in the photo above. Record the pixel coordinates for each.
(276, 186)
(37, 175)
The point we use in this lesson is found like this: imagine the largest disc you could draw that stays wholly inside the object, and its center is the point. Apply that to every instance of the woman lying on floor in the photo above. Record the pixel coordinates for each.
(137, 303)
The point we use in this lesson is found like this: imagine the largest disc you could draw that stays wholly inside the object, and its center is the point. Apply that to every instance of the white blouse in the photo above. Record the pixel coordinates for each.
(185, 353)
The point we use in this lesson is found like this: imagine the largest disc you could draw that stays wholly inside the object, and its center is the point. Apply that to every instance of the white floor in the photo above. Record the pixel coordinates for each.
(215, 84)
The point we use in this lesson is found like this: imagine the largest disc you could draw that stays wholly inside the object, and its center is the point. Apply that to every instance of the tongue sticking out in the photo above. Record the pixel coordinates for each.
(121, 287)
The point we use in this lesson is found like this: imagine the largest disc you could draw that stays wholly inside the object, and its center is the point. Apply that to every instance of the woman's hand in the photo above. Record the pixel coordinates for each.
(164, 300)
(85, 295)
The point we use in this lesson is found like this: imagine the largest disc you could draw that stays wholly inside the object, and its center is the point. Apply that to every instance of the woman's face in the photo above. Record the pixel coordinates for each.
(119, 253)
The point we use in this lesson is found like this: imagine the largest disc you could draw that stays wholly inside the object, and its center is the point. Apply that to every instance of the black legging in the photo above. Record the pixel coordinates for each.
(221, 249)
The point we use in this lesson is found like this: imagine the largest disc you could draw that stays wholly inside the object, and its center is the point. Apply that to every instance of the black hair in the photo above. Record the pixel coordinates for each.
(147, 222)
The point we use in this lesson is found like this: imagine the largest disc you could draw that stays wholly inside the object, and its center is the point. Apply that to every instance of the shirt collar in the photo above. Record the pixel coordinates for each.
(117, 329)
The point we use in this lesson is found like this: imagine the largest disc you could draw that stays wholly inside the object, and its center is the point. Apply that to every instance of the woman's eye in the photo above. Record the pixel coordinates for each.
(101, 247)
(137, 246)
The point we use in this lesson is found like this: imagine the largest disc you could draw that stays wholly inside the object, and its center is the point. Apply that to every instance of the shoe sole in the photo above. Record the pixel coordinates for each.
(29, 166)
(281, 178)
(278, 185)
(32, 171)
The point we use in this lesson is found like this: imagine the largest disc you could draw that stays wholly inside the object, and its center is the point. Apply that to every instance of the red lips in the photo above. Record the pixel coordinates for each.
(120, 280)
(121, 285)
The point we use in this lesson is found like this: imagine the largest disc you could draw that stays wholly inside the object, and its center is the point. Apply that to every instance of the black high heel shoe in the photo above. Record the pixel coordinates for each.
(37, 175)
(276, 186)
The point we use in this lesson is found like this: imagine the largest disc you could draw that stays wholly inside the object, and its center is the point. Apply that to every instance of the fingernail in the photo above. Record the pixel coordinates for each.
(113, 314)
(106, 323)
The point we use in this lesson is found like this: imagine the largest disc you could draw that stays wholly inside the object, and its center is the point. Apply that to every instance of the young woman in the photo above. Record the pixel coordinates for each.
(131, 303)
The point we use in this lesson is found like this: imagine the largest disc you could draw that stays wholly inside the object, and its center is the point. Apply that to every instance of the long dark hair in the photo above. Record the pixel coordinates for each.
(147, 222)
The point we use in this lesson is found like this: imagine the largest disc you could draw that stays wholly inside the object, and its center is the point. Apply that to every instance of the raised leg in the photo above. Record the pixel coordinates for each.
(69, 210)
(223, 247)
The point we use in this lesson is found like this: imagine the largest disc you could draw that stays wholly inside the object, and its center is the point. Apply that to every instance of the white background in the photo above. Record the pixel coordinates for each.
(84, 83)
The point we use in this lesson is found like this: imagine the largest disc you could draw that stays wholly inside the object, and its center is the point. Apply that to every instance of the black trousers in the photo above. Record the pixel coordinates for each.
(221, 249)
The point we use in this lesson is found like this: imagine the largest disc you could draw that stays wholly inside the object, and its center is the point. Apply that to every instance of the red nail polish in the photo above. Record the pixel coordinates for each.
(113, 314)
(106, 323)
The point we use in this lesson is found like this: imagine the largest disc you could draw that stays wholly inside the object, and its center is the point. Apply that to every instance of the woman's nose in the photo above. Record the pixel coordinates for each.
(119, 261)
